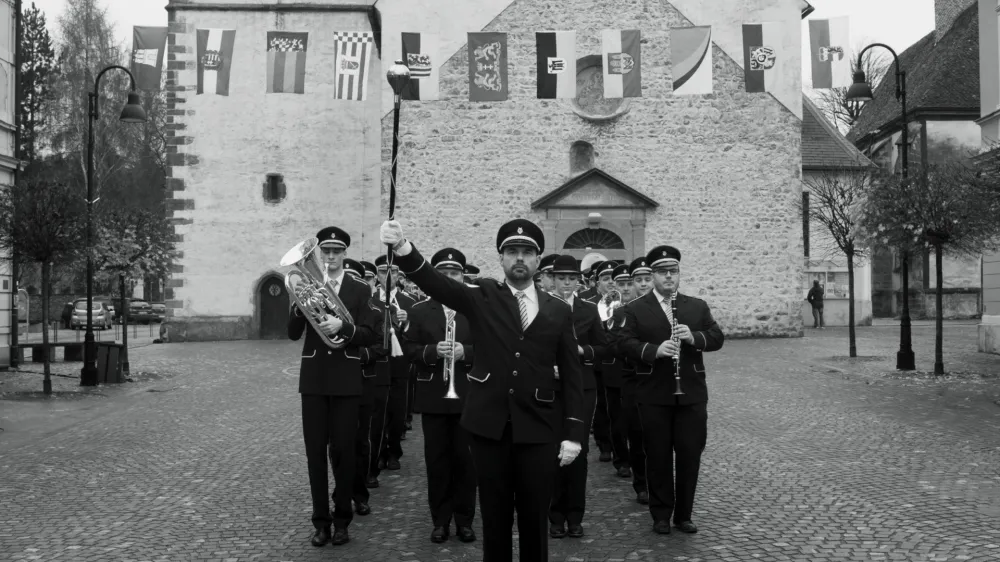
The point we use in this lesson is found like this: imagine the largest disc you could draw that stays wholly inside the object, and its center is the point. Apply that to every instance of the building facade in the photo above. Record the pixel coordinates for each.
(989, 122)
(717, 175)
(8, 162)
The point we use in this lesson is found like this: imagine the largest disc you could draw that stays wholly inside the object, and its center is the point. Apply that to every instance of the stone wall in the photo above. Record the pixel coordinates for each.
(725, 167)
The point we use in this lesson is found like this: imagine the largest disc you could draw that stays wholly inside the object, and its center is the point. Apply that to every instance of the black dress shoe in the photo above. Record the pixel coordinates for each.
(686, 527)
(393, 464)
(575, 531)
(372, 482)
(557, 531)
(642, 497)
(465, 534)
(439, 535)
(605, 456)
(381, 464)
(624, 472)
(408, 425)
(340, 536)
(662, 527)
(321, 536)
(362, 508)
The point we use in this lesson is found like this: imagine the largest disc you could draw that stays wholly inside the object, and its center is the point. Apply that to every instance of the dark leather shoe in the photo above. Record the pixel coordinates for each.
(466, 534)
(439, 535)
(362, 508)
(408, 425)
(381, 464)
(605, 456)
(686, 527)
(393, 464)
(624, 472)
(557, 531)
(340, 536)
(642, 497)
(662, 527)
(575, 531)
(372, 482)
(321, 536)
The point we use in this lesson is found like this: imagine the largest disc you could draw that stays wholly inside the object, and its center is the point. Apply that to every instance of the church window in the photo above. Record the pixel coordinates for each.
(581, 157)
(274, 188)
(594, 239)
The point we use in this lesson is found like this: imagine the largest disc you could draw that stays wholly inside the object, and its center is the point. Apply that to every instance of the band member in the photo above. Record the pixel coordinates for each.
(611, 373)
(371, 276)
(546, 278)
(673, 424)
(471, 271)
(604, 273)
(360, 492)
(642, 283)
(376, 374)
(590, 293)
(331, 387)
(569, 496)
(520, 415)
(399, 367)
(451, 475)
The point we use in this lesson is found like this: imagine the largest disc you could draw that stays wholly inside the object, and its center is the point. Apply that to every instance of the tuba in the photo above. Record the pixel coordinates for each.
(608, 303)
(449, 362)
(305, 285)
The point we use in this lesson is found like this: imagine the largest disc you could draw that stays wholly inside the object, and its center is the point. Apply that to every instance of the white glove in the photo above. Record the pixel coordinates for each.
(391, 233)
(568, 451)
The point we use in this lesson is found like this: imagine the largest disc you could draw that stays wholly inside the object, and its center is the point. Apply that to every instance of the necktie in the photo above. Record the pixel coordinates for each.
(523, 306)
(336, 287)
(668, 309)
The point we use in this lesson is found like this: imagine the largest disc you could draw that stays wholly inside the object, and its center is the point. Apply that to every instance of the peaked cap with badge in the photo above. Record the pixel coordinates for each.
(663, 255)
(471, 270)
(449, 258)
(606, 268)
(381, 262)
(520, 232)
(545, 265)
(621, 272)
(369, 268)
(333, 236)
(639, 266)
(355, 267)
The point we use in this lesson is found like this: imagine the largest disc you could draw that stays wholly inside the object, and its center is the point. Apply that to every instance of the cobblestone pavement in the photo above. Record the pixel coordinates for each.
(810, 457)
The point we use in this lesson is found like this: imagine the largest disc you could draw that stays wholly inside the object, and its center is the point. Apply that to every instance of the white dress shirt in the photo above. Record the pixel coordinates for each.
(530, 300)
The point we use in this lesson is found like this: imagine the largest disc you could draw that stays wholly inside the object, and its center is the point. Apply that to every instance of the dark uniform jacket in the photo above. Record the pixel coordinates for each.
(427, 328)
(405, 301)
(590, 295)
(375, 357)
(591, 337)
(337, 372)
(514, 373)
(646, 327)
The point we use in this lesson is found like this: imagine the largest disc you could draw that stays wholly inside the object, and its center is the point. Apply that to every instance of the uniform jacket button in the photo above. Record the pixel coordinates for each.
(514, 373)
(329, 352)
(512, 391)
(518, 354)
(520, 337)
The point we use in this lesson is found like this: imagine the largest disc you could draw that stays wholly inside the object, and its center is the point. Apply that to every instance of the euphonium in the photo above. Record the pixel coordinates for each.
(608, 303)
(676, 340)
(449, 362)
(315, 298)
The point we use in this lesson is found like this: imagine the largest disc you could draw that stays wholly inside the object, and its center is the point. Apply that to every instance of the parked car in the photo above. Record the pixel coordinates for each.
(160, 310)
(101, 315)
(140, 312)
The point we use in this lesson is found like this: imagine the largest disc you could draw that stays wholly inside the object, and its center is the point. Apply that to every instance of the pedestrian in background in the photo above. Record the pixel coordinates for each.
(815, 298)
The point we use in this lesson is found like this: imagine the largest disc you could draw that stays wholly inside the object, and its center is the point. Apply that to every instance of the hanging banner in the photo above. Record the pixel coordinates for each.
(148, 45)
(487, 66)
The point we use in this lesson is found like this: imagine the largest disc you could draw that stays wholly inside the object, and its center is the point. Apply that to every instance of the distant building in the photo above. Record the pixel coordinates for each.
(8, 162)
(989, 123)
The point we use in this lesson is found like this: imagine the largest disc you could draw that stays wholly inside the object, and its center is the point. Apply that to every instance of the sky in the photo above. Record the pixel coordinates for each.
(898, 23)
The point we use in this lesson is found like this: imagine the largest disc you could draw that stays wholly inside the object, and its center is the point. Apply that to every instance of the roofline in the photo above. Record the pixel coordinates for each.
(591, 172)
(807, 10)
(173, 5)
(924, 113)
(832, 130)
(858, 168)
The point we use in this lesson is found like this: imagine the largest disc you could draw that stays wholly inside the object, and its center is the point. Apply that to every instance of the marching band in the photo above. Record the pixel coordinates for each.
(509, 378)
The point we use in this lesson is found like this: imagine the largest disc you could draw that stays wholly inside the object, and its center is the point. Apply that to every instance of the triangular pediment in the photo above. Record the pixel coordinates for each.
(594, 188)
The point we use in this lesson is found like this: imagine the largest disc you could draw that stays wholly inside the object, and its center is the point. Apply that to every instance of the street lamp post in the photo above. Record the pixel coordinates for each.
(861, 91)
(131, 113)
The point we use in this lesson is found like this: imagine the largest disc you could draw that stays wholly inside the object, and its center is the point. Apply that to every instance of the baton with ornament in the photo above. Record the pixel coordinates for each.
(398, 76)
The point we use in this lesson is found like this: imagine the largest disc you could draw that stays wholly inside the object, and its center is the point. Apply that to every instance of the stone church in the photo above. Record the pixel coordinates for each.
(253, 173)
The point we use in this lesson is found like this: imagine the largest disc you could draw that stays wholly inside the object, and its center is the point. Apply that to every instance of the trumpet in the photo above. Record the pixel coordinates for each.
(315, 298)
(608, 303)
(449, 362)
(676, 340)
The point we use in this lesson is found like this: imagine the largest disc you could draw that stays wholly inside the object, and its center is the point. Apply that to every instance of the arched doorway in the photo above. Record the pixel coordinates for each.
(272, 302)
(593, 244)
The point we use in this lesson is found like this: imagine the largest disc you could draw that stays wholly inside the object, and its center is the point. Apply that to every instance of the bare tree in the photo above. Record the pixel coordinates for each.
(834, 103)
(836, 203)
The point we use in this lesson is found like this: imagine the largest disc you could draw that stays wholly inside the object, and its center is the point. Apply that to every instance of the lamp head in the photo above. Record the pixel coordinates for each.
(859, 90)
(398, 75)
(133, 111)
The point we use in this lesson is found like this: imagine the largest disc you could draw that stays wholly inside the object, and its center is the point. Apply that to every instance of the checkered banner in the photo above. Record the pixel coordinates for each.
(352, 52)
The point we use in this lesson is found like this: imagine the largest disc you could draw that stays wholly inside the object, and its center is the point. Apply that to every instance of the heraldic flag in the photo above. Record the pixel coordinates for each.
(831, 61)
(352, 51)
(421, 52)
(763, 58)
(286, 62)
(556, 64)
(691, 60)
(622, 63)
(148, 44)
(215, 59)
(487, 66)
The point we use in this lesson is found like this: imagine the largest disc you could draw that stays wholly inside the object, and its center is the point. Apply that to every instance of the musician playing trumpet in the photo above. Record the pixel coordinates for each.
(672, 402)
(438, 342)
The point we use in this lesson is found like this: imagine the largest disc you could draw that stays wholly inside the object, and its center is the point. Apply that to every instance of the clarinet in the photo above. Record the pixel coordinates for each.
(676, 340)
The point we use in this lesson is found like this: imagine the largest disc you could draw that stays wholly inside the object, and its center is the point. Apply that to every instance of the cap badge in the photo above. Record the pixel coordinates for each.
(664, 252)
(449, 256)
(333, 235)
(520, 230)
(642, 263)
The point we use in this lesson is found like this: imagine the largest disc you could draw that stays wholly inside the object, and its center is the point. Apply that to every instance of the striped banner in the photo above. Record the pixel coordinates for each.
(148, 44)
(829, 53)
(622, 63)
(691, 60)
(286, 62)
(762, 60)
(421, 52)
(215, 59)
(352, 51)
(556, 64)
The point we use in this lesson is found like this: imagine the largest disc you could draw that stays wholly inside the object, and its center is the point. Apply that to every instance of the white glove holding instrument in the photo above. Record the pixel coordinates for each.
(568, 451)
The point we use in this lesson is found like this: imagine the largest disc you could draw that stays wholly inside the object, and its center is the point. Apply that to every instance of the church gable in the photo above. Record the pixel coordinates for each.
(593, 189)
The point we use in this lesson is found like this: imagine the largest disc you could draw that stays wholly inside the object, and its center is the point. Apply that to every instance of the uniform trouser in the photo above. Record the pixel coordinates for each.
(602, 424)
(670, 430)
(619, 431)
(363, 448)
(636, 452)
(569, 494)
(514, 476)
(330, 421)
(451, 474)
(395, 420)
(377, 432)
(411, 391)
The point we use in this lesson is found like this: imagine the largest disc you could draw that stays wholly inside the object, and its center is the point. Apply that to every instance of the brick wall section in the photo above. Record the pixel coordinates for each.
(725, 167)
(945, 12)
